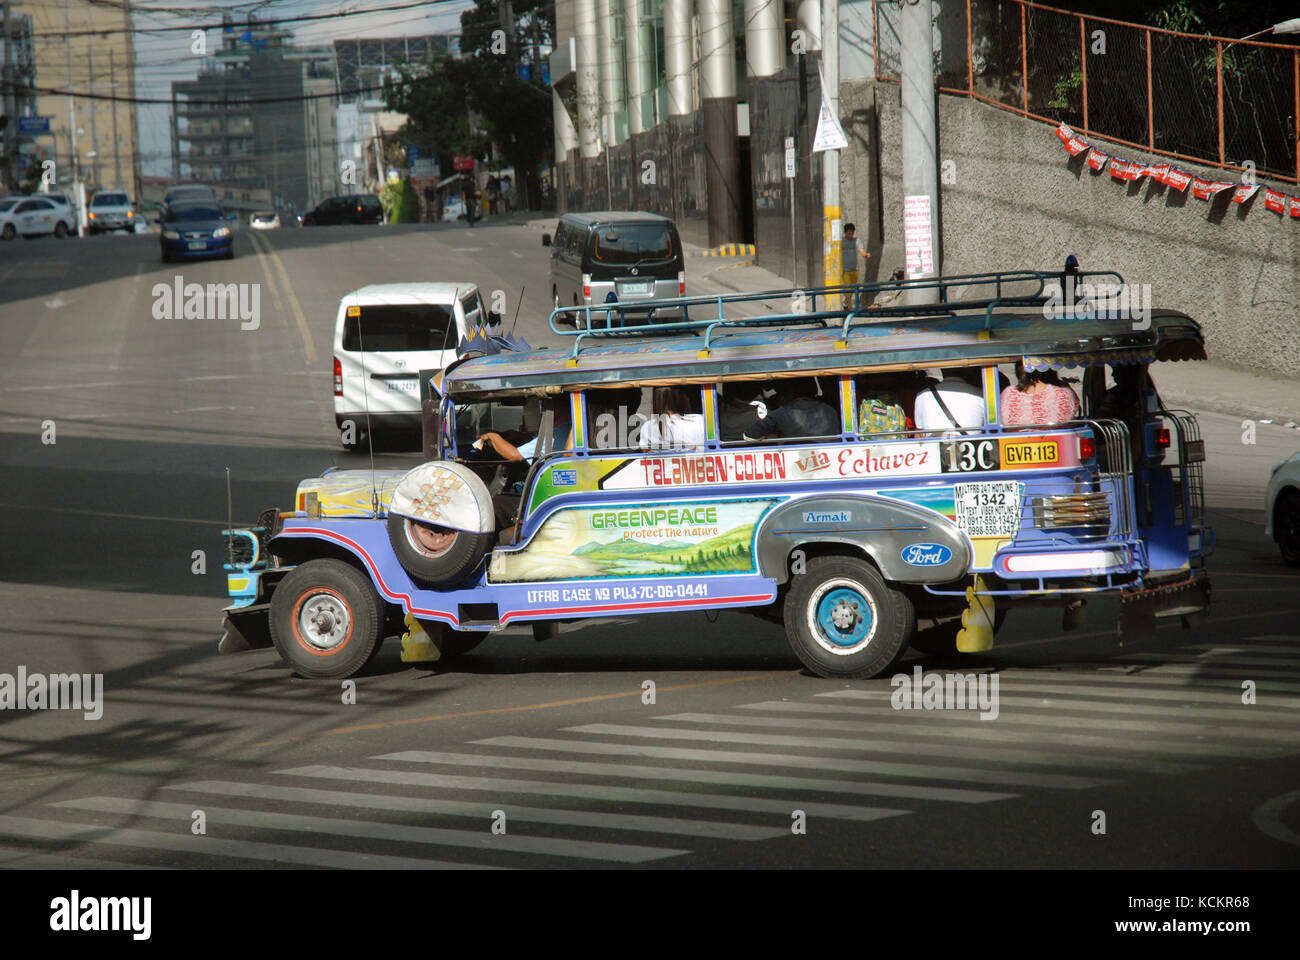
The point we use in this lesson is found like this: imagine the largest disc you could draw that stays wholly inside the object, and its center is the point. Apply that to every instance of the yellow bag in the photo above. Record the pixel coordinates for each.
(882, 413)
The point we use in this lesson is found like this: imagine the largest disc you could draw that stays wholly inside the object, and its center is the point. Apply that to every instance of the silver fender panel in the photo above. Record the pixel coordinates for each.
(908, 543)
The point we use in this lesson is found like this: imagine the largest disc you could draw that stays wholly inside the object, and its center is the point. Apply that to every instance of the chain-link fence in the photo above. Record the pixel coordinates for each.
(1211, 100)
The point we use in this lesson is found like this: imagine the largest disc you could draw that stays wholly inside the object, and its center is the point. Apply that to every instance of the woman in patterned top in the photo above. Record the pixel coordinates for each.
(1038, 396)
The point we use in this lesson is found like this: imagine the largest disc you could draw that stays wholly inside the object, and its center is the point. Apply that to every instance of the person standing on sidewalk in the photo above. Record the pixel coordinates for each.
(851, 250)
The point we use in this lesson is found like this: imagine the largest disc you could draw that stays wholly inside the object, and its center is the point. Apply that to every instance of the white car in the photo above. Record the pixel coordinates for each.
(110, 210)
(33, 217)
(1282, 509)
(268, 220)
(384, 336)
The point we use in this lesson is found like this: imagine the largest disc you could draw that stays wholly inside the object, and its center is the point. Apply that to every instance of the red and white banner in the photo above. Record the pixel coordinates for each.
(1097, 159)
(1244, 192)
(1293, 206)
(1073, 144)
(1156, 171)
(1275, 201)
(1177, 179)
(1205, 189)
(1123, 169)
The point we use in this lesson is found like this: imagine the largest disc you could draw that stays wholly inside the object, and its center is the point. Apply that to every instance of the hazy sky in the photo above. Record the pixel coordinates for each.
(164, 57)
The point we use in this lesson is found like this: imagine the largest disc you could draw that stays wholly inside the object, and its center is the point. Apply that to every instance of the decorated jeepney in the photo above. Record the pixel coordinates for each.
(860, 542)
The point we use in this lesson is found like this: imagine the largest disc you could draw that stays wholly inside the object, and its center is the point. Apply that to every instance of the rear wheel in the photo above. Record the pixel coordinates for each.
(8, 232)
(60, 229)
(1286, 527)
(326, 619)
(844, 621)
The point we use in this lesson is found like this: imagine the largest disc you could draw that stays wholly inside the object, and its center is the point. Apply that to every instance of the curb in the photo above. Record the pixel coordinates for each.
(727, 250)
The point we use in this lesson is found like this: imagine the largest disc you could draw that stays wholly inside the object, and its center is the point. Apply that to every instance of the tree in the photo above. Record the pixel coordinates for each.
(515, 113)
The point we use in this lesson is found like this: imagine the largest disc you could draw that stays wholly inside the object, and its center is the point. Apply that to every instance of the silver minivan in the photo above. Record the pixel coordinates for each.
(613, 256)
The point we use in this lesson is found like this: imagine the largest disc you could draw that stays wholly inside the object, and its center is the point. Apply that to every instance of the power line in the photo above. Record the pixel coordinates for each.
(54, 91)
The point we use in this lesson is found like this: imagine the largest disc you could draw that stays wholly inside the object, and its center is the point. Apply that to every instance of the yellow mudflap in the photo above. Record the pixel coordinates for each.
(417, 645)
(976, 633)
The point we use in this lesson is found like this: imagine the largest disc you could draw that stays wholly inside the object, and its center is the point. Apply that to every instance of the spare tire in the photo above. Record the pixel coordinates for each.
(440, 521)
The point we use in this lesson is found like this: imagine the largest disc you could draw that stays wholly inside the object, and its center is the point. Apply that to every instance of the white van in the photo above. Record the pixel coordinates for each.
(384, 336)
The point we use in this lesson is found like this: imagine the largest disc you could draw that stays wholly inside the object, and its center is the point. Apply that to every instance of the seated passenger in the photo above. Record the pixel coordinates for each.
(800, 413)
(503, 446)
(612, 415)
(1038, 396)
(740, 407)
(676, 420)
(887, 401)
(956, 403)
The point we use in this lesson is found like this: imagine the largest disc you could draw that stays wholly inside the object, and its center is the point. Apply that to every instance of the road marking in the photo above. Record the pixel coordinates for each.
(489, 711)
(1181, 719)
(996, 754)
(633, 772)
(68, 386)
(216, 846)
(602, 792)
(31, 860)
(112, 516)
(1268, 818)
(480, 839)
(572, 818)
(1232, 705)
(914, 771)
(289, 296)
(925, 724)
(1201, 661)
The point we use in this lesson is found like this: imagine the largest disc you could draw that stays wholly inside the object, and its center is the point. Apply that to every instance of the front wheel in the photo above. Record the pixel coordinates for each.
(60, 229)
(9, 231)
(1286, 527)
(844, 621)
(326, 619)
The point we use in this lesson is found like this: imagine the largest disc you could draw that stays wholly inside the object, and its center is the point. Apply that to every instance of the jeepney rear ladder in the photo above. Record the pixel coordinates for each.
(1188, 474)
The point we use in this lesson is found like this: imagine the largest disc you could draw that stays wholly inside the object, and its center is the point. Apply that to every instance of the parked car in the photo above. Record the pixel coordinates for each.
(34, 217)
(193, 229)
(110, 210)
(266, 220)
(1282, 509)
(354, 208)
(385, 334)
(608, 256)
(189, 191)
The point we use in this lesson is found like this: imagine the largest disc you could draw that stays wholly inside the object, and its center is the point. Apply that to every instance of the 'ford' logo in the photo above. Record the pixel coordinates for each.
(926, 554)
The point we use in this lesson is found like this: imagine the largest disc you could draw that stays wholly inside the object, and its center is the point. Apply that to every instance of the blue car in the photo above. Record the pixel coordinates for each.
(195, 229)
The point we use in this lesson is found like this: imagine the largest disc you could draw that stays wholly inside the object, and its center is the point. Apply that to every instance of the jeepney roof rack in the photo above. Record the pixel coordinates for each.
(864, 304)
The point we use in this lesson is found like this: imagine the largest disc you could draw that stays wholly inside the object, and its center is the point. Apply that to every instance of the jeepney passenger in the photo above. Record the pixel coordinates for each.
(676, 420)
(740, 407)
(955, 403)
(613, 422)
(888, 400)
(799, 412)
(1038, 396)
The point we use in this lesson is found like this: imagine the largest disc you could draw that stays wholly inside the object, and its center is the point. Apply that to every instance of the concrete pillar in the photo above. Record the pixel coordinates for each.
(566, 134)
(677, 56)
(640, 66)
(718, 107)
(588, 78)
(920, 172)
(808, 18)
(611, 69)
(764, 37)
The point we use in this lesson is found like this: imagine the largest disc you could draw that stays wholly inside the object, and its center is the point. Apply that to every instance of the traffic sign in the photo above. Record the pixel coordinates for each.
(33, 126)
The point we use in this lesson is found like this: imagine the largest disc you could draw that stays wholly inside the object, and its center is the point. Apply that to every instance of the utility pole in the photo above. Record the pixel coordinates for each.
(832, 255)
(94, 134)
(117, 150)
(920, 173)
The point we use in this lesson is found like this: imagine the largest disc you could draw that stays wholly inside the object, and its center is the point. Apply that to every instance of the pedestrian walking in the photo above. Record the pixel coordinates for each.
(851, 250)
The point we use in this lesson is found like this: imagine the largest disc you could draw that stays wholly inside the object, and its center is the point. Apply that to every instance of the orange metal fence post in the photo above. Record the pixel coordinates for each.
(1024, 63)
(1083, 66)
(970, 53)
(1218, 70)
(1151, 107)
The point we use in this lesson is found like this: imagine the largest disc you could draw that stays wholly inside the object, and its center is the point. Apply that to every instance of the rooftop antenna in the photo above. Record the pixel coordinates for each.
(230, 522)
(515, 321)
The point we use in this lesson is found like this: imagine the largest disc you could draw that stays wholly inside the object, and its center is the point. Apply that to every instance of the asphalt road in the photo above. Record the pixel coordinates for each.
(98, 574)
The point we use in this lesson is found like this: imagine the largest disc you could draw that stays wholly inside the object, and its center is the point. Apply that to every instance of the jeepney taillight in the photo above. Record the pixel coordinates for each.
(1087, 448)
(338, 378)
(586, 286)
(681, 284)
(1162, 438)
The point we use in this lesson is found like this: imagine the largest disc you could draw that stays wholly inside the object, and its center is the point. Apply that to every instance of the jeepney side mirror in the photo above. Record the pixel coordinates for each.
(546, 239)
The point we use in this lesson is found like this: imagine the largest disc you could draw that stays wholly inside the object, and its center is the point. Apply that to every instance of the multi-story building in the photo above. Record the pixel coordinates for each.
(84, 47)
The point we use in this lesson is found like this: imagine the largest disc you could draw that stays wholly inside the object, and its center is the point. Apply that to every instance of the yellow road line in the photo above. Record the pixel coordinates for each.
(267, 252)
(382, 725)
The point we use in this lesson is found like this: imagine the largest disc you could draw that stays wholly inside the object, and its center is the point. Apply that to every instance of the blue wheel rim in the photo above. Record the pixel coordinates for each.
(844, 616)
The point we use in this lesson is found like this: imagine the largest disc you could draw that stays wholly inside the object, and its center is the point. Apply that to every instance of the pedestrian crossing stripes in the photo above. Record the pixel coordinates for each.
(653, 789)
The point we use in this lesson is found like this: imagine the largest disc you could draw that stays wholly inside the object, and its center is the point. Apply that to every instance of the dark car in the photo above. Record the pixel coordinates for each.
(196, 229)
(355, 208)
